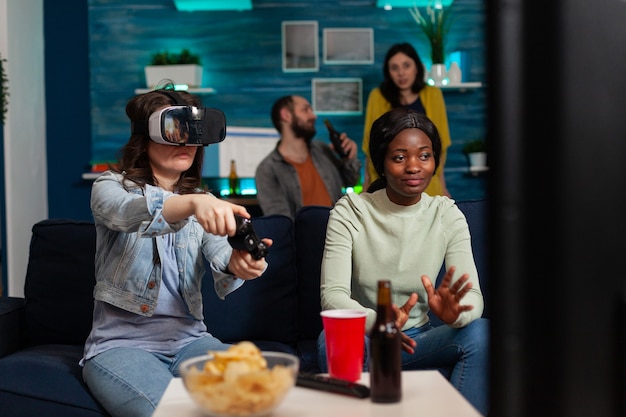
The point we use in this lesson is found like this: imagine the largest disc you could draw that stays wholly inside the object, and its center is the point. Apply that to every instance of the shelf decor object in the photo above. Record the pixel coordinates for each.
(182, 69)
(454, 74)
(476, 153)
(186, 74)
(342, 96)
(435, 24)
(300, 46)
(348, 46)
(438, 75)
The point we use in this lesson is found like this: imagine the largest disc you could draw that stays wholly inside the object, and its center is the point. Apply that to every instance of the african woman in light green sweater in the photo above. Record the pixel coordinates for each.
(396, 231)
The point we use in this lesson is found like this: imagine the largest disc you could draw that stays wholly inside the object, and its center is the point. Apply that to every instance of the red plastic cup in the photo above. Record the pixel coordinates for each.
(345, 335)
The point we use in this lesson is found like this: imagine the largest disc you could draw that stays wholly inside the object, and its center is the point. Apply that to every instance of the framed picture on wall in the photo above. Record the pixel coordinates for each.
(346, 46)
(300, 46)
(337, 96)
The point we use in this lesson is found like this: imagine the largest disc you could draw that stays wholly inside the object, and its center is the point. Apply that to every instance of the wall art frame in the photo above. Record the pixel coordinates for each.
(300, 46)
(348, 46)
(340, 96)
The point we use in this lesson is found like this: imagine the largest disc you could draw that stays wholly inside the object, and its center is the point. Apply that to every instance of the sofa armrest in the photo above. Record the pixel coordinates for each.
(11, 319)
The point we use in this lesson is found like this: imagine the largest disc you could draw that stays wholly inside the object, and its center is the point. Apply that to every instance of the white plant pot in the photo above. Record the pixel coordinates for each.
(437, 74)
(477, 159)
(190, 74)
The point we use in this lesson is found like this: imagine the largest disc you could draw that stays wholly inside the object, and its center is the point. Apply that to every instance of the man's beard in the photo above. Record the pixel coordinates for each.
(302, 131)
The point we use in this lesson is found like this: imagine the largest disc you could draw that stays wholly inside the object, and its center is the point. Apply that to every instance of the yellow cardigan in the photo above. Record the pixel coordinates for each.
(432, 100)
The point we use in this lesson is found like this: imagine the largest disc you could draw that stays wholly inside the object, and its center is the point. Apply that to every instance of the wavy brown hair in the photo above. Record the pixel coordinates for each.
(133, 160)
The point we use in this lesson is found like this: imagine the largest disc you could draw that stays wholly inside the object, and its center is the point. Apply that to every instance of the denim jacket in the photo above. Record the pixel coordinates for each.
(128, 248)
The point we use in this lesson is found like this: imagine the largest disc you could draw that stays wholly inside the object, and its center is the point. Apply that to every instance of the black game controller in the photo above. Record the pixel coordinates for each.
(245, 238)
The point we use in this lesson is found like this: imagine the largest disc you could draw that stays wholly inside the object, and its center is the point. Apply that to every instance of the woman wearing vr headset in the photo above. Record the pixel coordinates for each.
(154, 228)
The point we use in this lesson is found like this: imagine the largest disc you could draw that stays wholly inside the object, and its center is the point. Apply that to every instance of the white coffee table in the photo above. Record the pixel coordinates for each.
(424, 393)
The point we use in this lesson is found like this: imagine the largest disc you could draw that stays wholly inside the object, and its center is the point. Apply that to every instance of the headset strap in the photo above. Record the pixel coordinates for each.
(174, 95)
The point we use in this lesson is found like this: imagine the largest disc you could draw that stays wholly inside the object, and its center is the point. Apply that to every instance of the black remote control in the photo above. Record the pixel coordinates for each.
(334, 385)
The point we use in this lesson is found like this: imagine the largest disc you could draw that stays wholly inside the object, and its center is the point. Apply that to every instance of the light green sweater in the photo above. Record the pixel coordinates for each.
(370, 238)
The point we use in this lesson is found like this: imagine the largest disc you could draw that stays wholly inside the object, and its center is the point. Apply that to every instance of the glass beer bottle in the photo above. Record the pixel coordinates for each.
(233, 179)
(385, 350)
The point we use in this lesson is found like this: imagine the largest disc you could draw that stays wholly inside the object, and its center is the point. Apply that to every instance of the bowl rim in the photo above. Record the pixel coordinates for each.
(188, 363)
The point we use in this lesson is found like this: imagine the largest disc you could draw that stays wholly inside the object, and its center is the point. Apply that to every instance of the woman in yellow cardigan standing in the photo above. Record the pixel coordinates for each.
(404, 86)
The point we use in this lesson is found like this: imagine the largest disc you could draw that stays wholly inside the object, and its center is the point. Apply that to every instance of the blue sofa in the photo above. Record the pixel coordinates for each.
(42, 334)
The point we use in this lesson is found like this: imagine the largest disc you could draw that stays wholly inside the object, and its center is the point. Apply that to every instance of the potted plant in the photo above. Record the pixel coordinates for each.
(435, 25)
(476, 153)
(4, 91)
(180, 68)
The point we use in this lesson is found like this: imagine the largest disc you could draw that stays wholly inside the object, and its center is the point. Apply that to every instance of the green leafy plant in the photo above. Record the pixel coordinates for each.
(435, 24)
(169, 58)
(4, 91)
(476, 145)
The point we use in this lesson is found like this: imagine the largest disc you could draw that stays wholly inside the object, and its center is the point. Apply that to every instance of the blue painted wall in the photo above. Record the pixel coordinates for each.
(68, 108)
(242, 59)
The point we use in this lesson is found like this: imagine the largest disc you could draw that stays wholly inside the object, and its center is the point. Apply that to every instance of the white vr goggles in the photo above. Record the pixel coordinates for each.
(183, 125)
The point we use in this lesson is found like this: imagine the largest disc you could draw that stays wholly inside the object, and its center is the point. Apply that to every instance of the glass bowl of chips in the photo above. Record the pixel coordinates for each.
(241, 381)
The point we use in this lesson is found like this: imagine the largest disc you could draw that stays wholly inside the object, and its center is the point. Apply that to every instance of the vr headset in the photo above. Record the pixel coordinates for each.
(183, 125)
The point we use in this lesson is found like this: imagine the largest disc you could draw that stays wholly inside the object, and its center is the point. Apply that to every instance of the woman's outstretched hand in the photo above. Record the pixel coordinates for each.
(402, 315)
(215, 215)
(445, 301)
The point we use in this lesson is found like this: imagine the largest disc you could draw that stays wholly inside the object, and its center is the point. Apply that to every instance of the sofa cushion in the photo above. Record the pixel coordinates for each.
(59, 282)
(46, 376)
(475, 212)
(263, 308)
(11, 322)
(310, 224)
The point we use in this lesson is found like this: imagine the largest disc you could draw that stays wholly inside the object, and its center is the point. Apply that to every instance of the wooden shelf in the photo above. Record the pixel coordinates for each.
(90, 175)
(204, 90)
(462, 87)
